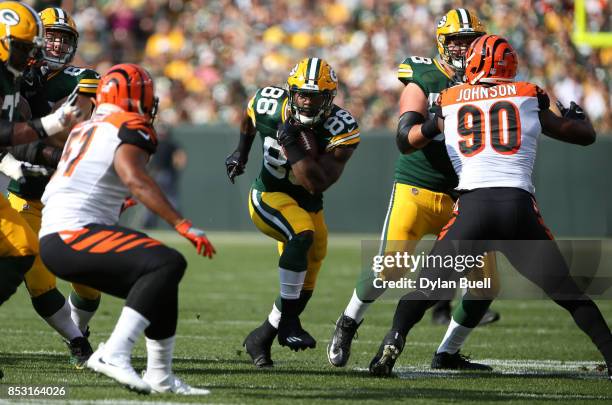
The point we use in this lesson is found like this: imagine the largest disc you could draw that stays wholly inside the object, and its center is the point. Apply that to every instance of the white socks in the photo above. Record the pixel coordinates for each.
(62, 322)
(356, 308)
(159, 359)
(129, 327)
(80, 317)
(274, 317)
(455, 337)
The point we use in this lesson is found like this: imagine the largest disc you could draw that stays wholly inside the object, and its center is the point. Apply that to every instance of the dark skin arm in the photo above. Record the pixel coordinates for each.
(236, 162)
(316, 176)
(578, 132)
(130, 164)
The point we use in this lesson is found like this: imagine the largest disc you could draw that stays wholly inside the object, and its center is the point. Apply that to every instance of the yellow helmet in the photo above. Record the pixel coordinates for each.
(61, 37)
(458, 24)
(21, 36)
(312, 86)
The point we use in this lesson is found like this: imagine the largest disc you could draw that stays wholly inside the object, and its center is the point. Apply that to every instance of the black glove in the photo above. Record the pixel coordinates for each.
(574, 112)
(235, 164)
(287, 136)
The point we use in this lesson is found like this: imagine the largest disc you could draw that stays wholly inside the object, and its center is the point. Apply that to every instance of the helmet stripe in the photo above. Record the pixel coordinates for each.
(464, 17)
(126, 76)
(313, 68)
(56, 13)
(62, 16)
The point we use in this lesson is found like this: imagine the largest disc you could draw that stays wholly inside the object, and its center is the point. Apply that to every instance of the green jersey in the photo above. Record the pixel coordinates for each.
(9, 92)
(429, 167)
(268, 110)
(42, 89)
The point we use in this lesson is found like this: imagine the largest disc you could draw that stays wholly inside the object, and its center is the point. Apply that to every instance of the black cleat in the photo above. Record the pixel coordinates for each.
(457, 361)
(258, 345)
(80, 351)
(388, 352)
(339, 348)
(489, 317)
(292, 335)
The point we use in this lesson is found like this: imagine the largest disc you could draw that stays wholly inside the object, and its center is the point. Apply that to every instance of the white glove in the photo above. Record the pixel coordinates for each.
(65, 117)
(12, 167)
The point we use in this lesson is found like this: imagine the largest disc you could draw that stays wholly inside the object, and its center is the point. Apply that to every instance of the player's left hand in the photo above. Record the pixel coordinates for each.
(574, 112)
(288, 133)
(129, 202)
(197, 237)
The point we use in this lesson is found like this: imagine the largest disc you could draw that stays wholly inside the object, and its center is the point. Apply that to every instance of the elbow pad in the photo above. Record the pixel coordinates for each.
(406, 122)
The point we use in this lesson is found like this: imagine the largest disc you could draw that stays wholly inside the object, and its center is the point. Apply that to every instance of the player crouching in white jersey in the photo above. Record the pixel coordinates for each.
(103, 163)
(491, 126)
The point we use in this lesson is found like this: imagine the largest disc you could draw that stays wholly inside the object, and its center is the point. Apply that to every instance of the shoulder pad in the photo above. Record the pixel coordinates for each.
(138, 132)
(342, 128)
(409, 69)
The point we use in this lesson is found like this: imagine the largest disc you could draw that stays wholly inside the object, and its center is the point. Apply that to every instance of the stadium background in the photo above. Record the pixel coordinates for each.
(209, 57)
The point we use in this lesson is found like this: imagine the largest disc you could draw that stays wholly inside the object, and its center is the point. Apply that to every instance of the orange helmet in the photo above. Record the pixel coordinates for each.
(130, 87)
(490, 59)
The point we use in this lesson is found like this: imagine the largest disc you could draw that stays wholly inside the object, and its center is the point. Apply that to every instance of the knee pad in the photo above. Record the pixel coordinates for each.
(295, 254)
(12, 272)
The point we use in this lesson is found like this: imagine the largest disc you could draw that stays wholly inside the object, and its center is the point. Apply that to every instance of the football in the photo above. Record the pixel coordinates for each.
(308, 142)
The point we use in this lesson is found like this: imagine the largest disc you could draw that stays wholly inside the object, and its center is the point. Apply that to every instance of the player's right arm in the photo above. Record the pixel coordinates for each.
(236, 162)
(412, 110)
(130, 161)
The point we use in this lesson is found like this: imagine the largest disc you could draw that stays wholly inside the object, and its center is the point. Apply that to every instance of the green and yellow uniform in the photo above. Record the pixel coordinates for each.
(43, 89)
(18, 238)
(420, 201)
(279, 206)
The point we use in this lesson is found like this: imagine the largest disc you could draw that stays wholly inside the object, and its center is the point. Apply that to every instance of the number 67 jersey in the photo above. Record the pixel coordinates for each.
(491, 133)
(86, 188)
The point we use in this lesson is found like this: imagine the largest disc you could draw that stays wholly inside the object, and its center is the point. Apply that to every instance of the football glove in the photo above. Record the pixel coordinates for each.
(287, 134)
(65, 117)
(11, 167)
(32, 170)
(574, 112)
(129, 202)
(235, 164)
(197, 237)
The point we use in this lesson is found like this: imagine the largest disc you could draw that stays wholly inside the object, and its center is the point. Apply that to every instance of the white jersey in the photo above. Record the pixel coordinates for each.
(491, 133)
(85, 188)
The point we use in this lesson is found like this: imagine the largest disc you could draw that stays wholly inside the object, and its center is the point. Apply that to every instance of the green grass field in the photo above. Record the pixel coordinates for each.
(538, 354)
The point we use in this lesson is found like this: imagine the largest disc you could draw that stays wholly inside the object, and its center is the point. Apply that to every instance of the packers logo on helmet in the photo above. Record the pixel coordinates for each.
(312, 86)
(455, 32)
(21, 36)
(61, 37)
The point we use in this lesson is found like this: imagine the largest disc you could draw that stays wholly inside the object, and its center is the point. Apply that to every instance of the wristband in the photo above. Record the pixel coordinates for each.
(37, 125)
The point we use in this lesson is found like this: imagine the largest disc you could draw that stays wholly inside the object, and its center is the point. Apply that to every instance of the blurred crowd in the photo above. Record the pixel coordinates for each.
(208, 57)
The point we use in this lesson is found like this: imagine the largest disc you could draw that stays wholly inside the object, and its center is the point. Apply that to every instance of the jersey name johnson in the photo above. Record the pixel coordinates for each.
(491, 133)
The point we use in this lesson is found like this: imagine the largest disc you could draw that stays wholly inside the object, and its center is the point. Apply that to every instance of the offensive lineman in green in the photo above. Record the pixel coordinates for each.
(286, 200)
(421, 201)
(46, 86)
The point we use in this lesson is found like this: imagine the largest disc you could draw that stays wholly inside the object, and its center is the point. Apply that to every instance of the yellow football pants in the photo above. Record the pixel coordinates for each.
(39, 279)
(18, 238)
(415, 212)
(280, 217)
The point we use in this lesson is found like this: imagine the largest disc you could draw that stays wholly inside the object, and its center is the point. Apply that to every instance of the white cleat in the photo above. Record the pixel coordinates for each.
(172, 384)
(123, 373)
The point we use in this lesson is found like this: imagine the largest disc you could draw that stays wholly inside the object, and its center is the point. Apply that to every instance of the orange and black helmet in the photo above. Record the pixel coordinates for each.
(490, 59)
(130, 87)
